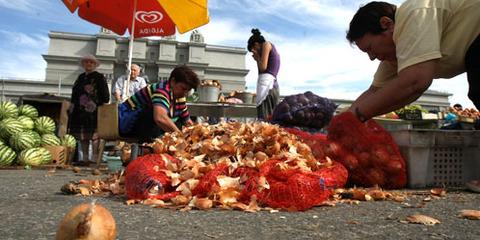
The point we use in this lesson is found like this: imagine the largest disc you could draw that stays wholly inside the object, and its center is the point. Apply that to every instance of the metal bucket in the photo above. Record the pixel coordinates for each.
(208, 93)
(246, 97)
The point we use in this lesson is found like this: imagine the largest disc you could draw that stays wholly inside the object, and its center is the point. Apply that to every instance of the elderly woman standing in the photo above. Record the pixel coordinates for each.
(89, 91)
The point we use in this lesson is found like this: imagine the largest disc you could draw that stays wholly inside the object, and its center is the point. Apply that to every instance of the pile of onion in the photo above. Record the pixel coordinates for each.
(87, 221)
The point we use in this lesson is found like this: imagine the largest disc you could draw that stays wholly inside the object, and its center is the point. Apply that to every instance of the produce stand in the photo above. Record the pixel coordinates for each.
(217, 109)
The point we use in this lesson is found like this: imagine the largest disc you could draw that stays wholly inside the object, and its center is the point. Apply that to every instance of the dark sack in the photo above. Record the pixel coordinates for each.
(307, 110)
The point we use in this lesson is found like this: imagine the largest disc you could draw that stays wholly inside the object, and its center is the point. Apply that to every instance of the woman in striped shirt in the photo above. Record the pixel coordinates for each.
(159, 107)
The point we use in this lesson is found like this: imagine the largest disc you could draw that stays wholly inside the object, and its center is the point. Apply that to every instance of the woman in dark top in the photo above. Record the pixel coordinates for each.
(89, 91)
(268, 63)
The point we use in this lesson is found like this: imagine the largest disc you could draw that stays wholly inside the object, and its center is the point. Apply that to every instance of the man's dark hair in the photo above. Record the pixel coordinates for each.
(367, 19)
(184, 74)
(256, 37)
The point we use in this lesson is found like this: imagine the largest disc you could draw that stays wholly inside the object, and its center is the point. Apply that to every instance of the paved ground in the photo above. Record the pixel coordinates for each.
(31, 206)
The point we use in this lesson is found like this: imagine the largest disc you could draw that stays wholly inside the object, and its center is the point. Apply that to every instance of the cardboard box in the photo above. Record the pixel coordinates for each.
(59, 154)
(107, 120)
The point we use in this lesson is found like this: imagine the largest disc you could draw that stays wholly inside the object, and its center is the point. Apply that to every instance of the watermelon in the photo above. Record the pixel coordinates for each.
(9, 126)
(1, 142)
(26, 121)
(7, 156)
(50, 139)
(34, 156)
(28, 111)
(68, 141)
(24, 140)
(44, 125)
(8, 110)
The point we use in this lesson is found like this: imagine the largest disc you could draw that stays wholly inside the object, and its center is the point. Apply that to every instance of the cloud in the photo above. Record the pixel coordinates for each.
(24, 40)
(220, 33)
(19, 5)
(22, 55)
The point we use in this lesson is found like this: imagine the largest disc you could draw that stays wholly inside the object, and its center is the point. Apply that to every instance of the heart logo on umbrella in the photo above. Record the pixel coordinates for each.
(148, 17)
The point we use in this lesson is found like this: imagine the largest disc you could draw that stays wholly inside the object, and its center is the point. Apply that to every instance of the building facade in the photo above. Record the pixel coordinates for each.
(156, 57)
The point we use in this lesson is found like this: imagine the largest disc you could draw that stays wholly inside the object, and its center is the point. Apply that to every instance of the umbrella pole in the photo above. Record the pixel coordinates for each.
(130, 53)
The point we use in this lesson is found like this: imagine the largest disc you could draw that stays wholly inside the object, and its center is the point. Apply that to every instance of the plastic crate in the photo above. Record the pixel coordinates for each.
(438, 158)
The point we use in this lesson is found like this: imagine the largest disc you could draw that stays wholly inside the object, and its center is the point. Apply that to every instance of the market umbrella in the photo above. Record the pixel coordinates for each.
(142, 18)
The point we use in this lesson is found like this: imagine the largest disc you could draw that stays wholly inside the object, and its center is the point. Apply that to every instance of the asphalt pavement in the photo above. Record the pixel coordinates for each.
(31, 207)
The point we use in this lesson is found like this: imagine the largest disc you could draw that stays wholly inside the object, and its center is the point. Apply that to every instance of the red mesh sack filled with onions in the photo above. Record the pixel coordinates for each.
(316, 141)
(367, 150)
(304, 110)
(145, 178)
(292, 189)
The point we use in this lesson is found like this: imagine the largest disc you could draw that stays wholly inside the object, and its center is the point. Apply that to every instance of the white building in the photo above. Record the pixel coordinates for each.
(157, 57)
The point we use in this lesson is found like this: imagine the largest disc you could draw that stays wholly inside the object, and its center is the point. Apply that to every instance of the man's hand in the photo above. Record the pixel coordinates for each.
(118, 97)
(161, 118)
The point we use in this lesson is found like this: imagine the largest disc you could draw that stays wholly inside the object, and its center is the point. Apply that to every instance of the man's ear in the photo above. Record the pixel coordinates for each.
(387, 23)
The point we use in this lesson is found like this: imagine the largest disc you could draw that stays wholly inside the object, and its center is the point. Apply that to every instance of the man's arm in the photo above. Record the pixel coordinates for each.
(161, 118)
(409, 86)
(116, 89)
(371, 90)
(143, 83)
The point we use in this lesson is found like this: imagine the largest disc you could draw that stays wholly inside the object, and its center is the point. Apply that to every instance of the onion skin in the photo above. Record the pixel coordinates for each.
(87, 221)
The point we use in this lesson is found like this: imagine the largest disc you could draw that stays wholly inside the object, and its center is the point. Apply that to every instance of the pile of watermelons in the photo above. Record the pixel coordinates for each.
(23, 135)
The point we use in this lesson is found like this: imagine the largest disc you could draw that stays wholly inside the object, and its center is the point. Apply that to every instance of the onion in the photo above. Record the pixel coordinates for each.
(87, 221)
(375, 176)
(333, 150)
(350, 161)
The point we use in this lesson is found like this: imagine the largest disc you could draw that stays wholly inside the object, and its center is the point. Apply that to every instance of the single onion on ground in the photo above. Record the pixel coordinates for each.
(87, 221)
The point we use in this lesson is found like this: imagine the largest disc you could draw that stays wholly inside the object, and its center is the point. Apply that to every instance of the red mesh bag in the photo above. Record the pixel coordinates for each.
(251, 184)
(209, 180)
(335, 176)
(368, 151)
(316, 142)
(292, 189)
(143, 179)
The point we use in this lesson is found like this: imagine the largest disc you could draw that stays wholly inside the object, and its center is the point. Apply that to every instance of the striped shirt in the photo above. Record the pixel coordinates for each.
(160, 94)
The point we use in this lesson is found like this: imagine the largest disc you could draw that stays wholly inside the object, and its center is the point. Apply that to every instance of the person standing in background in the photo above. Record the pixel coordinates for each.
(136, 83)
(268, 63)
(89, 91)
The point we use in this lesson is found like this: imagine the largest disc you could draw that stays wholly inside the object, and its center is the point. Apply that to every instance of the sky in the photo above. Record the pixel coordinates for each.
(308, 34)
